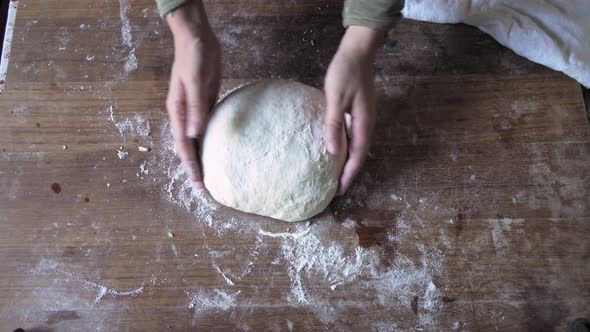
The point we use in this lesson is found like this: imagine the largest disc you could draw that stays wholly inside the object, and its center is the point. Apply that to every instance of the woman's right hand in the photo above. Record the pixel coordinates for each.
(194, 82)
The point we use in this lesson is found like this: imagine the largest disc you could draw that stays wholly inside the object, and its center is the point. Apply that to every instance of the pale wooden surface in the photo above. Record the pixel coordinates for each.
(486, 156)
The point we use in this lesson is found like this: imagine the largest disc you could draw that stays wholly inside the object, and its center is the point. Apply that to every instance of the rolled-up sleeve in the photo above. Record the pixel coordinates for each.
(374, 14)
(166, 6)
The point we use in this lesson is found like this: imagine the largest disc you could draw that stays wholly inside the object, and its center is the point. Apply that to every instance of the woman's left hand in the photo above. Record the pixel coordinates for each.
(349, 89)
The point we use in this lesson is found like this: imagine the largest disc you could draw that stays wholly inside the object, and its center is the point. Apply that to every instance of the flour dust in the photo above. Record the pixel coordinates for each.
(66, 278)
(321, 269)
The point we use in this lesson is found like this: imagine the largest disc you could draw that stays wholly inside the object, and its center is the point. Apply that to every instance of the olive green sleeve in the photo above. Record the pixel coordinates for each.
(166, 6)
(374, 14)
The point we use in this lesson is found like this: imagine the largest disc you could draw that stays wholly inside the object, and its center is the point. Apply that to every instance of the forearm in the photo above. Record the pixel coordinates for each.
(375, 14)
(362, 41)
(189, 22)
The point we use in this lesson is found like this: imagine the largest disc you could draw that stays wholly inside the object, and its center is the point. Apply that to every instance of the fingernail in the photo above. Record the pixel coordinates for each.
(341, 190)
(332, 148)
(191, 132)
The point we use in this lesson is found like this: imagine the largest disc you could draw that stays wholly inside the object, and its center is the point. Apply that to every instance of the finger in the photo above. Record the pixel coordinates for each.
(360, 135)
(187, 152)
(185, 148)
(193, 167)
(334, 123)
(197, 109)
(176, 106)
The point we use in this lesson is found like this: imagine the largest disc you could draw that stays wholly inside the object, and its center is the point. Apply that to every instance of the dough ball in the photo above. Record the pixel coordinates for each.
(264, 153)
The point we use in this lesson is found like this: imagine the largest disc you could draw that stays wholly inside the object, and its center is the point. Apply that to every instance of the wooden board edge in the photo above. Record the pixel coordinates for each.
(7, 43)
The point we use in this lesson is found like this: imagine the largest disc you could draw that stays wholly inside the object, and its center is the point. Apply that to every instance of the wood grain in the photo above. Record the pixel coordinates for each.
(479, 167)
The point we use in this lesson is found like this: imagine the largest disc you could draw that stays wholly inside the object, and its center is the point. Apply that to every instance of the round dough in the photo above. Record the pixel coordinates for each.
(263, 151)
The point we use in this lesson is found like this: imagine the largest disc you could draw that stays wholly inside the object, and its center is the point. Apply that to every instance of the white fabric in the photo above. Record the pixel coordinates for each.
(554, 33)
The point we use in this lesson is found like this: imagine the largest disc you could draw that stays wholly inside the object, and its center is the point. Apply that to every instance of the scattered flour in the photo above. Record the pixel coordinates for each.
(131, 63)
(431, 303)
(395, 197)
(136, 126)
(126, 37)
(308, 256)
(214, 300)
(122, 154)
(500, 228)
(350, 224)
(143, 168)
(227, 279)
(285, 235)
(46, 267)
(319, 269)
(103, 291)
(125, 26)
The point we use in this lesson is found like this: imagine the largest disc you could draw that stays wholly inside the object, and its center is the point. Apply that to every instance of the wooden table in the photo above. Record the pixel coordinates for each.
(472, 213)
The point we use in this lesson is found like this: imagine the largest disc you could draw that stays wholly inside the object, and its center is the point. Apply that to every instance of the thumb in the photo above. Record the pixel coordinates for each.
(334, 124)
